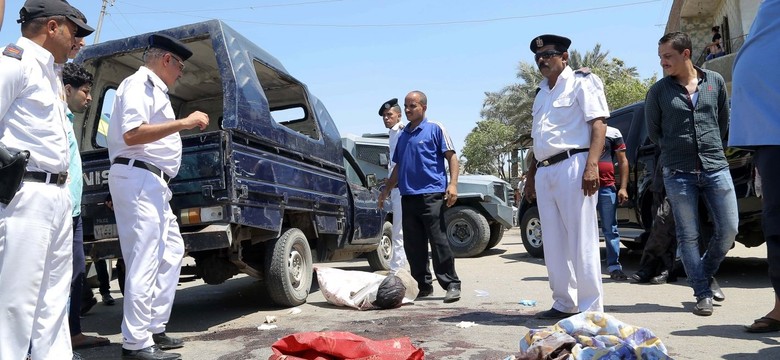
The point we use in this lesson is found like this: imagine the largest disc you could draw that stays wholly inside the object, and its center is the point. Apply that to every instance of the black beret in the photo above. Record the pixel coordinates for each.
(34, 9)
(388, 104)
(544, 40)
(170, 44)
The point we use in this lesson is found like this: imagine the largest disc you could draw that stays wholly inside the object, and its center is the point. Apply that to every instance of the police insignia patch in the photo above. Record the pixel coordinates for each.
(13, 51)
(539, 42)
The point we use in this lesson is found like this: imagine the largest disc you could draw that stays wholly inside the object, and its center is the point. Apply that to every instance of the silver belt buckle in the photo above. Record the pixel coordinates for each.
(546, 163)
(62, 178)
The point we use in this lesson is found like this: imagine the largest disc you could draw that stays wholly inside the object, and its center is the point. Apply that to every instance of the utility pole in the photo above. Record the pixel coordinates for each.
(100, 19)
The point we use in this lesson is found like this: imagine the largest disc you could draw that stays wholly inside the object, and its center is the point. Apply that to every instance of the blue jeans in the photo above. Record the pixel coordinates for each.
(683, 190)
(607, 207)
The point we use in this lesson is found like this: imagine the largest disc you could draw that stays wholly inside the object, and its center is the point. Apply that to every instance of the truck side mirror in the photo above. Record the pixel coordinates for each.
(371, 180)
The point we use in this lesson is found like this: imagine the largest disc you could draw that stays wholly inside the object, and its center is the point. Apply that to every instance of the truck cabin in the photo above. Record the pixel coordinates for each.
(262, 98)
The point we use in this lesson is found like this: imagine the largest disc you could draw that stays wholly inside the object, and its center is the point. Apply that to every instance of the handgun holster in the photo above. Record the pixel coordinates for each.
(11, 174)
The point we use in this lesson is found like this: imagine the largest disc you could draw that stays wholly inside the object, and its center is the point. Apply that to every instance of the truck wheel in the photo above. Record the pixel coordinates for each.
(380, 259)
(289, 270)
(496, 233)
(531, 232)
(467, 231)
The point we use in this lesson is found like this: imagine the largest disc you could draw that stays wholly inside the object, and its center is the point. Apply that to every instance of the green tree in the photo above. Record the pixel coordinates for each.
(622, 85)
(486, 148)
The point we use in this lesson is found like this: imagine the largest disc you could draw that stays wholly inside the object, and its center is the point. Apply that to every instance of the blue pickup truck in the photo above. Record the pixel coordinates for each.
(265, 190)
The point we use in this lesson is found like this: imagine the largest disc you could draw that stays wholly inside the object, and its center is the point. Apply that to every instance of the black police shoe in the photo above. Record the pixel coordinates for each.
(640, 277)
(108, 299)
(166, 342)
(554, 314)
(717, 293)
(703, 307)
(149, 353)
(453, 293)
(661, 278)
(425, 292)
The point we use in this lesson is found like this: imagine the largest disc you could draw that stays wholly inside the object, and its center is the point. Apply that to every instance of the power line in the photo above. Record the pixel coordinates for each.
(252, 7)
(437, 23)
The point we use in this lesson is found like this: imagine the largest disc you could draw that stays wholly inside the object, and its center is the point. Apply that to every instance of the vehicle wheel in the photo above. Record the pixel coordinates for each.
(380, 259)
(288, 273)
(531, 232)
(467, 231)
(496, 233)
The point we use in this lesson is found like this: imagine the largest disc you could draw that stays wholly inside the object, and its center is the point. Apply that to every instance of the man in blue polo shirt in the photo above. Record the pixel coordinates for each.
(421, 176)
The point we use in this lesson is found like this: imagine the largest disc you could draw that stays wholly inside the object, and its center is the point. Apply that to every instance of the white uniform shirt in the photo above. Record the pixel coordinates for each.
(32, 109)
(561, 114)
(142, 98)
(394, 132)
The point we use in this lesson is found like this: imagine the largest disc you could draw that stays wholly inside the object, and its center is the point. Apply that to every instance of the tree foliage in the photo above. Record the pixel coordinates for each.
(622, 85)
(486, 148)
(512, 105)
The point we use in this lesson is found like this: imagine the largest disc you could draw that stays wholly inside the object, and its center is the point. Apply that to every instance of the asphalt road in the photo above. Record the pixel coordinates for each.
(220, 321)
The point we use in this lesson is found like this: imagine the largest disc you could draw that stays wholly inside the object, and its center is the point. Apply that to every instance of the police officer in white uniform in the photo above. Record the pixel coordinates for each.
(35, 224)
(568, 129)
(390, 112)
(145, 150)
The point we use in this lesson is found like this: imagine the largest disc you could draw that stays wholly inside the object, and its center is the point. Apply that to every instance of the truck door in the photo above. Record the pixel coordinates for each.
(367, 218)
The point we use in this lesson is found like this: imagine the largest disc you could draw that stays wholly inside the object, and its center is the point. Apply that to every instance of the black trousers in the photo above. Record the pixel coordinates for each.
(101, 268)
(766, 162)
(77, 281)
(423, 220)
(661, 245)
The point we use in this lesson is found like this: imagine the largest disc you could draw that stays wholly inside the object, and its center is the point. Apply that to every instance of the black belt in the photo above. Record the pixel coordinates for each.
(143, 165)
(46, 178)
(559, 157)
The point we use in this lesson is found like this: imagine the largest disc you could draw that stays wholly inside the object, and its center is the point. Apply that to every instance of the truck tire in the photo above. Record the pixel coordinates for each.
(496, 233)
(380, 259)
(467, 231)
(531, 232)
(289, 270)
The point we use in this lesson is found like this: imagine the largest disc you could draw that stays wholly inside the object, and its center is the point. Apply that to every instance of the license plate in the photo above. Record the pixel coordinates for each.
(105, 231)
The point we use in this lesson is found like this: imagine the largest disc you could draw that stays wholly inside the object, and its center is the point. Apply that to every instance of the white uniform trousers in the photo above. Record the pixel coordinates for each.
(36, 262)
(152, 248)
(571, 237)
(398, 259)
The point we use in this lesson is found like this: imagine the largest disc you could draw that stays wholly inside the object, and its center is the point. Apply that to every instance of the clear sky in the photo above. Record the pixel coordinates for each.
(355, 54)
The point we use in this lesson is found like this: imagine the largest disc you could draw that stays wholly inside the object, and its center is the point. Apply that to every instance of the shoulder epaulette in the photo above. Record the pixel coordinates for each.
(538, 89)
(13, 51)
(149, 82)
(584, 71)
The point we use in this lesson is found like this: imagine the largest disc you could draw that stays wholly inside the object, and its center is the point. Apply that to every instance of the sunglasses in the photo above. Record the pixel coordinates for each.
(181, 64)
(546, 55)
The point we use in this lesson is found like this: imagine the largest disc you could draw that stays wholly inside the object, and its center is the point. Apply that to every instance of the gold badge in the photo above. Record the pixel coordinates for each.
(539, 42)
